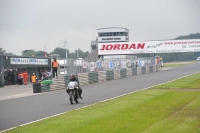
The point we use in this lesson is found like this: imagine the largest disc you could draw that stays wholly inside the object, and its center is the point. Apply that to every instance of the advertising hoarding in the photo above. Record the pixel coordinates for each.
(28, 61)
(169, 46)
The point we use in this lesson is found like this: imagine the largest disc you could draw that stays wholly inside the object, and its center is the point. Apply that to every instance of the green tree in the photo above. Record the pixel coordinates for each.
(62, 53)
(31, 52)
(2, 51)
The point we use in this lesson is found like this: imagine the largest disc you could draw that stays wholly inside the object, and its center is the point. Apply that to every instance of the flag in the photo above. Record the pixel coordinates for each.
(45, 54)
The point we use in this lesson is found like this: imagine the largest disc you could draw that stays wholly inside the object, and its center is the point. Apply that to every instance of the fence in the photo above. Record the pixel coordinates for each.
(76, 66)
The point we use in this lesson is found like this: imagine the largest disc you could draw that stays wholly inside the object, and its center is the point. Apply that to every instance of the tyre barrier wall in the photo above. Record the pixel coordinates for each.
(155, 68)
(93, 77)
(134, 71)
(116, 74)
(102, 76)
(143, 70)
(59, 83)
(139, 71)
(123, 73)
(109, 75)
(147, 69)
(129, 72)
(45, 88)
(83, 79)
(151, 69)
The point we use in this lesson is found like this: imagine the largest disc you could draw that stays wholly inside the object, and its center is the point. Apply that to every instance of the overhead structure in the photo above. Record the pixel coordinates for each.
(112, 34)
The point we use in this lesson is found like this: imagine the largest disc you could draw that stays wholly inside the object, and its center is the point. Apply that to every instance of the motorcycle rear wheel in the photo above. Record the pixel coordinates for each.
(71, 97)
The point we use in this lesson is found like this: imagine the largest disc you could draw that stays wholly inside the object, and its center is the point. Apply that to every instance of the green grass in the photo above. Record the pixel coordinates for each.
(171, 109)
(177, 64)
(189, 82)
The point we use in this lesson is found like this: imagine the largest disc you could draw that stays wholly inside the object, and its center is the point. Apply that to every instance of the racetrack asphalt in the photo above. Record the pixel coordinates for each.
(18, 111)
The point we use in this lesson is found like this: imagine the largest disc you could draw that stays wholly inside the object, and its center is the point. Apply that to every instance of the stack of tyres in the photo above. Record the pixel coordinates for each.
(151, 69)
(95, 77)
(37, 88)
(134, 71)
(109, 75)
(123, 73)
(143, 70)
(90, 77)
(45, 88)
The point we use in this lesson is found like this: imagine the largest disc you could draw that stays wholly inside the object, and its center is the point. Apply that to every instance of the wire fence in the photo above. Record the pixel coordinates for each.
(68, 66)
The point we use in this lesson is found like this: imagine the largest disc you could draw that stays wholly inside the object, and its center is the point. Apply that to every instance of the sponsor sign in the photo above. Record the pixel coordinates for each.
(123, 64)
(111, 65)
(92, 66)
(112, 39)
(85, 65)
(28, 61)
(99, 64)
(170, 46)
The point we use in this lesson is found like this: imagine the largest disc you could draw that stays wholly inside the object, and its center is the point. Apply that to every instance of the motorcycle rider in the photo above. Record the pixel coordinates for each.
(73, 78)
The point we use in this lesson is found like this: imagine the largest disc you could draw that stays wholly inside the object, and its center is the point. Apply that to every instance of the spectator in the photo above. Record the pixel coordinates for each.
(33, 78)
(55, 65)
(25, 75)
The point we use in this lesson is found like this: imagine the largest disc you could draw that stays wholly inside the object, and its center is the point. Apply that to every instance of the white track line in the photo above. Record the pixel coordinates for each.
(96, 103)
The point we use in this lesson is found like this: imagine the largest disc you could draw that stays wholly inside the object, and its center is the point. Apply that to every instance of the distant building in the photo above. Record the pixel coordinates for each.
(112, 34)
(108, 35)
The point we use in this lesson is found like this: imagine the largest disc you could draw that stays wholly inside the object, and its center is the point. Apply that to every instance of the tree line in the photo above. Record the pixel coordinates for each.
(60, 51)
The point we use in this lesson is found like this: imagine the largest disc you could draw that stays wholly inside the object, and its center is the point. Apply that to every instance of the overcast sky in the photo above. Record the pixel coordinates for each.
(32, 24)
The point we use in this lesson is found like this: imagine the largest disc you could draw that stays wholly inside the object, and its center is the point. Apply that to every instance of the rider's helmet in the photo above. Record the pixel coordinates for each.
(72, 75)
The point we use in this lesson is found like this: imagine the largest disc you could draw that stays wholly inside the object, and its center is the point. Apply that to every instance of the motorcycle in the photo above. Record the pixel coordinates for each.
(72, 90)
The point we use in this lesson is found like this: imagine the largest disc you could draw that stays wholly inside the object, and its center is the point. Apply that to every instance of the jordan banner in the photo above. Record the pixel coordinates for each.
(169, 46)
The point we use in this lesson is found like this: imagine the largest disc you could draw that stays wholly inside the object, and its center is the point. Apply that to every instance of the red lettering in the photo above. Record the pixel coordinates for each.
(103, 47)
(109, 47)
(116, 46)
(132, 46)
(140, 46)
(124, 46)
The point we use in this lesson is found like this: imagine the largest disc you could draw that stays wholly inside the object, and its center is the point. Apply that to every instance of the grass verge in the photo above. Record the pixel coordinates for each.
(177, 64)
(173, 107)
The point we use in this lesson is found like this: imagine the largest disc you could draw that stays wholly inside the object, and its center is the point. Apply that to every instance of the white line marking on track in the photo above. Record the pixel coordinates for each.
(96, 103)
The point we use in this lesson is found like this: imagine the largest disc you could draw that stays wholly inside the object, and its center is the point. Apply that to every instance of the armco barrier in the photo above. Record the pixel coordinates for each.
(134, 71)
(116, 74)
